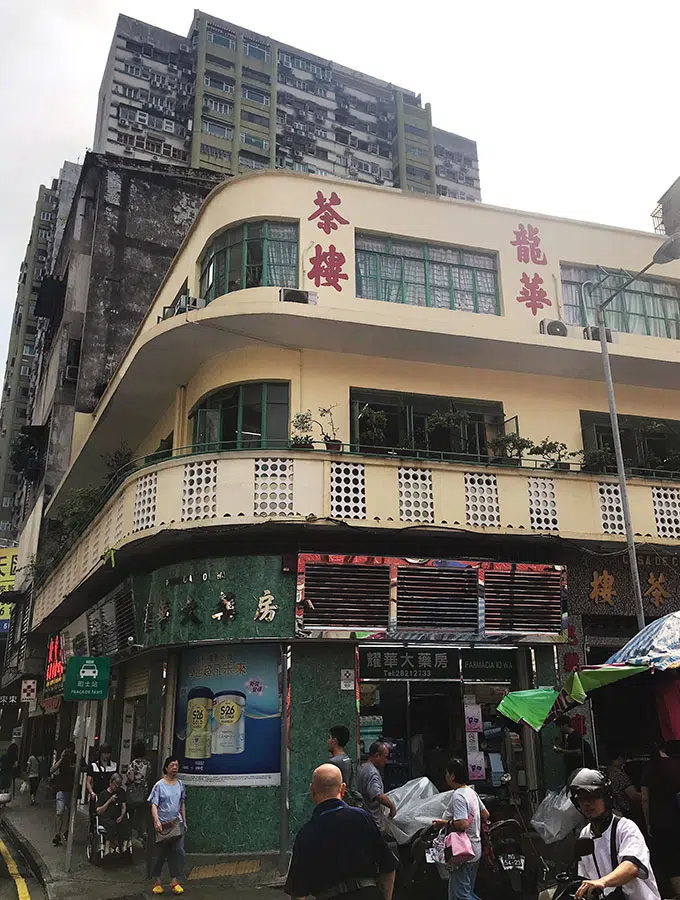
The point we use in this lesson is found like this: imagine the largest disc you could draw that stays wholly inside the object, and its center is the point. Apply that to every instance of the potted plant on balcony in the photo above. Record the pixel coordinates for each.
(555, 454)
(510, 448)
(302, 425)
(454, 422)
(372, 428)
(331, 440)
(601, 460)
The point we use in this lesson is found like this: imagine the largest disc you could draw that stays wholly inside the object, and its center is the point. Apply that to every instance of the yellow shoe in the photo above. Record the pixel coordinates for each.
(157, 889)
(177, 889)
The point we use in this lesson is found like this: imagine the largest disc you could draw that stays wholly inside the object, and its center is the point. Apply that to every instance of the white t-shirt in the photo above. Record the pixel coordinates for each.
(630, 845)
(466, 803)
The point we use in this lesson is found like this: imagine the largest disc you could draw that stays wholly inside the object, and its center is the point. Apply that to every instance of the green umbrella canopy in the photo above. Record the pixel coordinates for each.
(535, 707)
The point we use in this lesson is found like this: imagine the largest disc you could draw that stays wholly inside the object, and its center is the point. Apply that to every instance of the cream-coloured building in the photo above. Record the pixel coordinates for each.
(434, 331)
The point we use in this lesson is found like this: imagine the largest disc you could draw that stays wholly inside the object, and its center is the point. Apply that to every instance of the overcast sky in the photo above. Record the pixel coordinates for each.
(569, 102)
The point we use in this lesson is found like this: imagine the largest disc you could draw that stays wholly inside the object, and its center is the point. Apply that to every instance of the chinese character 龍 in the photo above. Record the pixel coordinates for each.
(528, 245)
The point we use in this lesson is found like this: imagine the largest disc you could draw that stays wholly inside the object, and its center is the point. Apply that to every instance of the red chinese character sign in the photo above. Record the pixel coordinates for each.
(528, 244)
(327, 216)
(326, 267)
(326, 264)
(532, 294)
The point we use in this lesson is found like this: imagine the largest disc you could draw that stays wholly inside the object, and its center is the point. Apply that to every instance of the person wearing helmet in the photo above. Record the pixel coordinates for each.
(619, 865)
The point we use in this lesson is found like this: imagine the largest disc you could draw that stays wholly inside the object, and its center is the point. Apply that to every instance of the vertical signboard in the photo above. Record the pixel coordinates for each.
(8, 569)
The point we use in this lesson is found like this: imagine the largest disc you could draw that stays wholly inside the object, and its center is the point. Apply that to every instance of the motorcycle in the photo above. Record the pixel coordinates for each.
(568, 882)
(505, 838)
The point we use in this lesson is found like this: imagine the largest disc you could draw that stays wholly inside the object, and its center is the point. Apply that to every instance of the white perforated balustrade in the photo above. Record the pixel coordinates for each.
(611, 510)
(199, 492)
(348, 490)
(481, 500)
(667, 511)
(144, 514)
(274, 487)
(416, 502)
(543, 504)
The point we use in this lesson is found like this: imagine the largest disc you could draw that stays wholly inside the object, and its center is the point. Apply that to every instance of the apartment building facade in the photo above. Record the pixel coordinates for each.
(21, 350)
(353, 412)
(231, 100)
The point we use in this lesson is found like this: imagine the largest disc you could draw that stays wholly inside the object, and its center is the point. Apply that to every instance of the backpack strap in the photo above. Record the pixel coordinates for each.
(613, 852)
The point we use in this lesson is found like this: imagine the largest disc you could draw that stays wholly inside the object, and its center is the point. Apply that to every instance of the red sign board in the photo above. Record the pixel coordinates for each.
(54, 674)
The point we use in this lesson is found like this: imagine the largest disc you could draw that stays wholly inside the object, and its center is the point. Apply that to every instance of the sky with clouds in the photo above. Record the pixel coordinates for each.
(569, 102)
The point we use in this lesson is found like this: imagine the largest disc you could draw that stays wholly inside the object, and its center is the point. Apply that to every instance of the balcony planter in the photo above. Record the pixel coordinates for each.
(335, 446)
(301, 442)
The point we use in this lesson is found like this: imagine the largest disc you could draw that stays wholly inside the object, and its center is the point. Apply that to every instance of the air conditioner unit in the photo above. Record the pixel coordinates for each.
(123, 123)
(554, 327)
(129, 151)
(172, 67)
(353, 170)
(196, 302)
(291, 295)
(592, 333)
(71, 374)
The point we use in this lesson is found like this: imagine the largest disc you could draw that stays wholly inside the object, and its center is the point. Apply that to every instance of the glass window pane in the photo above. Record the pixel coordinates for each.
(235, 235)
(255, 230)
(220, 273)
(657, 327)
(637, 325)
(251, 415)
(391, 291)
(414, 271)
(412, 250)
(479, 261)
(444, 254)
(465, 300)
(206, 428)
(229, 427)
(390, 267)
(366, 242)
(282, 231)
(235, 275)
(281, 263)
(254, 263)
(486, 281)
(277, 415)
(439, 275)
(416, 295)
(440, 297)
(487, 304)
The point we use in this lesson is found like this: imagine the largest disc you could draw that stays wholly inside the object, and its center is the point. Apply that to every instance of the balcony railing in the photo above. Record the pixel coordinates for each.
(250, 486)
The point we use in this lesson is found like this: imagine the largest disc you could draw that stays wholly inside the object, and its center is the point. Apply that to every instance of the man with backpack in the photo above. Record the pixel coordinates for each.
(619, 865)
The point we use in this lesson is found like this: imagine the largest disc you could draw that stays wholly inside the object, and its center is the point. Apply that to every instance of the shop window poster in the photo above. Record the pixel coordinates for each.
(228, 716)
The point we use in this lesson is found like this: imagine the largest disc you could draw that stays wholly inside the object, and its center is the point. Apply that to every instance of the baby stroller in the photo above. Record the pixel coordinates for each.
(98, 839)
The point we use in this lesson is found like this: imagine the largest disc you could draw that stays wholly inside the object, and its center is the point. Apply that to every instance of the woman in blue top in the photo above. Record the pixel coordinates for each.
(168, 812)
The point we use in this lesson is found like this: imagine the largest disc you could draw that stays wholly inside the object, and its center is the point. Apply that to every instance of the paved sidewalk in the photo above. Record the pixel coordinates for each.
(32, 829)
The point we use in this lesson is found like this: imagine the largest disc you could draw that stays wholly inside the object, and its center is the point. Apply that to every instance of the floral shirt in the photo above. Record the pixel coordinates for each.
(140, 768)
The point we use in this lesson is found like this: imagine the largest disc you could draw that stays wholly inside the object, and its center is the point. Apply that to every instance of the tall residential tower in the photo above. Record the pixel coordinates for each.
(231, 100)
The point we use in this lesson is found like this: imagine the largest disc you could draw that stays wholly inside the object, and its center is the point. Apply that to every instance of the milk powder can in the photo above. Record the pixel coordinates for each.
(229, 734)
(199, 708)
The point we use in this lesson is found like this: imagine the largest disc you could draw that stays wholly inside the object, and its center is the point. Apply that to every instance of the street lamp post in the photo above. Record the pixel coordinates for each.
(667, 252)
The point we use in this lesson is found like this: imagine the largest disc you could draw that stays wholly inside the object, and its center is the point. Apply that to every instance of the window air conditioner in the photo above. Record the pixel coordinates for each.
(71, 374)
(291, 295)
(554, 327)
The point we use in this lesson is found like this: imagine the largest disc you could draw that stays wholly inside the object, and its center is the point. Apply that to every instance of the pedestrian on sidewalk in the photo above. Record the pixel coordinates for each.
(9, 768)
(340, 852)
(99, 772)
(137, 790)
(112, 812)
(370, 783)
(170, 825)
(63, 772)
(33, 776)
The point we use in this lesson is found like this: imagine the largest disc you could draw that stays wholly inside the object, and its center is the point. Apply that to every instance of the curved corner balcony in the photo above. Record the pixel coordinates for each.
(251, 486)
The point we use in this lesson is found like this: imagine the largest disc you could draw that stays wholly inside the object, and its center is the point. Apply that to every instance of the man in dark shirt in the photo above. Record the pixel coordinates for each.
(111, 809)
(575, 749)
(339, 852)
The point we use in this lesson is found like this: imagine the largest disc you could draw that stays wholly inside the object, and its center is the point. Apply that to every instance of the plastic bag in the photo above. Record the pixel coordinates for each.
(24, 787)
(556, 816)
(418, 802)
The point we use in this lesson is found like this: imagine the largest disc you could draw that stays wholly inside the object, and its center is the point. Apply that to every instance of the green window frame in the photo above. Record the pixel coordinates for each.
(648, 306)
(419, 274)
(252, 415)
(254, 254)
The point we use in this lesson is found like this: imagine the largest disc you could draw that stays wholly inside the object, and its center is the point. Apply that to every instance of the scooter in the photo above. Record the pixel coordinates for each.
(568, 882)
(505, 838)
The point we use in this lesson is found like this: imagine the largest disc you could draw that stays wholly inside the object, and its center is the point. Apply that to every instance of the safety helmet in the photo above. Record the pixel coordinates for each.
(590, 781)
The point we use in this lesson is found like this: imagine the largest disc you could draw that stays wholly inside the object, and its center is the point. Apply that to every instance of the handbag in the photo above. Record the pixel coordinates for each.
(170, 831)
(457, 848)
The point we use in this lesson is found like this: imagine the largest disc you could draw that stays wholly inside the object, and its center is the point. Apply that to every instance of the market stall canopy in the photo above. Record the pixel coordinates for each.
(657, 646)
(538, 707)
